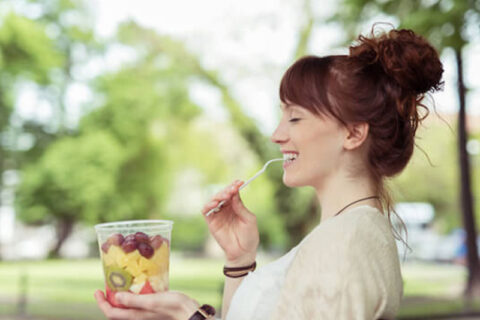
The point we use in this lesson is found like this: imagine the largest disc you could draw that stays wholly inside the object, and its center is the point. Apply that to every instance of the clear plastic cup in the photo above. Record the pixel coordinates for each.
(135, 256)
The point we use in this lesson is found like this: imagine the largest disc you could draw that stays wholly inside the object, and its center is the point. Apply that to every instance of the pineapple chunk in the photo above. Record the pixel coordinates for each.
(133, 267)
(142, 278)
(148, 266)
(114, 255)
(107, 259)
(126, 258)
(159, 282)
(161, 258)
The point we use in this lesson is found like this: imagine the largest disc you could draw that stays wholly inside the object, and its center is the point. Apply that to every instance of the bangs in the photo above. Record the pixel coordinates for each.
(306, 83)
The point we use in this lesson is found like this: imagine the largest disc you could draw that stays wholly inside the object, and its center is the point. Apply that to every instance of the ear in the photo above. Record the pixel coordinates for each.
(357, 133)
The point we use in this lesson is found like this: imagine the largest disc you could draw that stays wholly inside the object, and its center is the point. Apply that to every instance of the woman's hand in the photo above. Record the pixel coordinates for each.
(168, 305)
(234, 226)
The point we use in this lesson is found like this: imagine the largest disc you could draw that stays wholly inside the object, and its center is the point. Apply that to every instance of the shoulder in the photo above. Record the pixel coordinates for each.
(363, 232)
(361, 225)
(347, 268)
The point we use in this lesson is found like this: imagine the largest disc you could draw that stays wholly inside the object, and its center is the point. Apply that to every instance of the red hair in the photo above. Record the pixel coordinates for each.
(381, 82)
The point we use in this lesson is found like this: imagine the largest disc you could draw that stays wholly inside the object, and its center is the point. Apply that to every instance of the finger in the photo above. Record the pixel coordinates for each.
(235, 188)
(222, 195)
(209, 206)
(229, 190)
(105, 306)
(225, 195)
(137, 301)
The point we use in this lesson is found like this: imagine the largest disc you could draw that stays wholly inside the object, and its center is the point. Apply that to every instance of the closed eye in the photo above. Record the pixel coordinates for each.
(294, 120)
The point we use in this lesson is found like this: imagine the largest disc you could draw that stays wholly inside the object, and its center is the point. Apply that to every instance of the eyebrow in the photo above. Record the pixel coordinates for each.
(292, 107)
(285, 106)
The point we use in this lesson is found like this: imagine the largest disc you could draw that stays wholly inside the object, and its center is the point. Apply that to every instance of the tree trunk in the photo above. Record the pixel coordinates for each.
(473, 283)
(64, 229)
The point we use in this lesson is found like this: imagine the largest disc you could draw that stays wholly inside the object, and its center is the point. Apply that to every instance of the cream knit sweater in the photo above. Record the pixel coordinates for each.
(347, 268)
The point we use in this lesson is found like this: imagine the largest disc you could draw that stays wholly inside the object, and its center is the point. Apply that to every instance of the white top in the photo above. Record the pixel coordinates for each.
(311, 282)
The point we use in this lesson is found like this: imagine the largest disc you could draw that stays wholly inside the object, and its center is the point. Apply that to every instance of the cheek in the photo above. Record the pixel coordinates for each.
(324, 151)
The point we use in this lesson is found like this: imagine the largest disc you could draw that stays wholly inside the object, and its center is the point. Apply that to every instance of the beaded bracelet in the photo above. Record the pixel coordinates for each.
(239, 272)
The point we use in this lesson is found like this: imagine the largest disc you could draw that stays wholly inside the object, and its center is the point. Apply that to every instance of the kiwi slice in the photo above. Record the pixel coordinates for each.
(118, 279)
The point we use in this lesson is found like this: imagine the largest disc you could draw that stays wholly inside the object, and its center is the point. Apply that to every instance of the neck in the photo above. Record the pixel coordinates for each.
(341, 190)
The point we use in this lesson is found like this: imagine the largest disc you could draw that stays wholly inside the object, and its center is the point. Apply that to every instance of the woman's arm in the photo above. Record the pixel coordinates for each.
(235, 229)
(231, 284)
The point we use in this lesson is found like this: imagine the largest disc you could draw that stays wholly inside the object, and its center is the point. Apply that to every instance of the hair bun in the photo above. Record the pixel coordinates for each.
(405, 57)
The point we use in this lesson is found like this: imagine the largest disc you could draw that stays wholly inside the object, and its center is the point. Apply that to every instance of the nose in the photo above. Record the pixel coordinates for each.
(279, 135)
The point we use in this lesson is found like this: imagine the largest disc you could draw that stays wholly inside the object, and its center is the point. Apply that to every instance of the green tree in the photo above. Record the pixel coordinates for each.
(75, 179)
(70, 26)
(298, 208)
(41, 47)
(439, 169)
(27, 54)
(121, 162)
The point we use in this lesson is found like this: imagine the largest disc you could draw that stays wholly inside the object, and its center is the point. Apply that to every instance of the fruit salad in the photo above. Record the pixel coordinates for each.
(136, 263)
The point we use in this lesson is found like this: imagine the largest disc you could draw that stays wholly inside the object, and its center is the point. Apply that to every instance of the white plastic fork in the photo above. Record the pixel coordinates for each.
(219, 206)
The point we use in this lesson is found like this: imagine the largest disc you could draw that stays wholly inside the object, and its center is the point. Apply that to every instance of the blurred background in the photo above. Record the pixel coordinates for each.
(116, 110)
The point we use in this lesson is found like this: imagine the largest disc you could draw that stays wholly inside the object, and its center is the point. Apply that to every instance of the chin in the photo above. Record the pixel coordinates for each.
(292, 183)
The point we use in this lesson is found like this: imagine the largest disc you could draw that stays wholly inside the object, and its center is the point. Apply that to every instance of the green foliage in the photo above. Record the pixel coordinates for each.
(189, 233)
(258, 198)
(76, 178)
(443, 22)
(26, 53)
(439, 173)
(26, 50)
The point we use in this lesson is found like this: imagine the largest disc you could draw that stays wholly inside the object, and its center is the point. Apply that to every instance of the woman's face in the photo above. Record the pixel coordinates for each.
(315, 142)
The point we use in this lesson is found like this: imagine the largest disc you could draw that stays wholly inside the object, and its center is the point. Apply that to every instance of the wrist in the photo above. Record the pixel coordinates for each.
(189, 307)
(241, 261)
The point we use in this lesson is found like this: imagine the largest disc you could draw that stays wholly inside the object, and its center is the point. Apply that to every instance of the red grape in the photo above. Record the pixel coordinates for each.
(129, 246)
(142, 237)
(116, 239)
(156, 241)
(105, 247)
(130, 237)
(145, 250)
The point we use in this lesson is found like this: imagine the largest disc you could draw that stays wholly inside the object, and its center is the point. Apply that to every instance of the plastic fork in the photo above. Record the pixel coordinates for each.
(219, 206)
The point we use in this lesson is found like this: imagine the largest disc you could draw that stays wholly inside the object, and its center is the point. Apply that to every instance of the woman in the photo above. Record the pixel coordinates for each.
(348, 123)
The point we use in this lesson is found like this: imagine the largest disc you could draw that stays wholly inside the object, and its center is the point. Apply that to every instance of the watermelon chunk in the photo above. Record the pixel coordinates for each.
(147, 288)
(111, 298)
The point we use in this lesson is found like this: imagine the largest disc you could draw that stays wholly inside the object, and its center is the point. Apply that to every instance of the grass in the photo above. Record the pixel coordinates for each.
(433, 279)
(63, 289)
(433, 289)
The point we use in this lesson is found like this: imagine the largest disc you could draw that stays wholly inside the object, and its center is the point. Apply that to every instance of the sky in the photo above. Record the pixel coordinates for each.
(251, 44)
